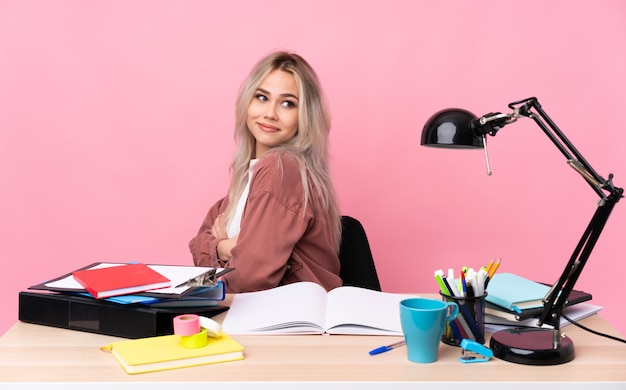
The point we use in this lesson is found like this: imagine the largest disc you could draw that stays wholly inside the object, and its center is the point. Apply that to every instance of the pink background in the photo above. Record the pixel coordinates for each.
(116, 129)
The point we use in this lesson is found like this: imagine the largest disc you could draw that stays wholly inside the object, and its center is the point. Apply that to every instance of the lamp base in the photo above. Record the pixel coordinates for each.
(532, 346)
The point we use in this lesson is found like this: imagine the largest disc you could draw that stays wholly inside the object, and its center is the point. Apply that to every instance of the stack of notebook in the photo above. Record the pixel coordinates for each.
(514, 298)
(131, 300)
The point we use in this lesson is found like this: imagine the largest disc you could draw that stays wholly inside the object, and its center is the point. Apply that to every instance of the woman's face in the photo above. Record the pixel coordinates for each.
(273, 111)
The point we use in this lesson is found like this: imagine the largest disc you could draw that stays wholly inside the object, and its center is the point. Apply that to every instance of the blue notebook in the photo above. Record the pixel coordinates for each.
(515, 293)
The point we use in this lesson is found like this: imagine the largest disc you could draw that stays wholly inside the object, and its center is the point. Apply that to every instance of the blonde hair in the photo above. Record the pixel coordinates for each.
(309, 146)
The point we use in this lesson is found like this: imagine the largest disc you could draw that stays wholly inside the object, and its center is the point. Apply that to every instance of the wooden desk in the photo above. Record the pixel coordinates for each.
(34, 353)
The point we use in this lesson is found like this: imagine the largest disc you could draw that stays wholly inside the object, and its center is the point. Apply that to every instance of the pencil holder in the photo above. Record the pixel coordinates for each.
(469, 324)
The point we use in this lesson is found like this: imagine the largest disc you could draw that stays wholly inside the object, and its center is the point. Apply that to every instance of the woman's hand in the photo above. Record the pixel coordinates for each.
(225, 246)
(218, 230)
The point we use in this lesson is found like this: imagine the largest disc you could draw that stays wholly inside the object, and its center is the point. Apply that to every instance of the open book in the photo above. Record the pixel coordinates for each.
(306, 308)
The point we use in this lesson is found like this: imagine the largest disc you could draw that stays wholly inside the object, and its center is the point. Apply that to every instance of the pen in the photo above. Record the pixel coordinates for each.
(442, 286)
(453, 291)
(451, 274)
(463, 285)
(482, 277)
(445, 283)
(492, 271)
(386, 348)
(477, 287)
(489, 265)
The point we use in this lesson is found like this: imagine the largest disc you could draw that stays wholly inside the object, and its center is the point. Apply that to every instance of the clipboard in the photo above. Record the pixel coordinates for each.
(179, 275)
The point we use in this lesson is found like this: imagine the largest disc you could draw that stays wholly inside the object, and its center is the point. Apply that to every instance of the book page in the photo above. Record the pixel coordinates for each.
(292, 308)
(354, 310)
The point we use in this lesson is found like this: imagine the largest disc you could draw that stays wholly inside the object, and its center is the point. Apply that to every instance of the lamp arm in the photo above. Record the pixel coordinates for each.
(573, 156)
(556, 298)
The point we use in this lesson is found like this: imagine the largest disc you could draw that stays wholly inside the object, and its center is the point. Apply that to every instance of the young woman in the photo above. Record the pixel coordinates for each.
(280, 222)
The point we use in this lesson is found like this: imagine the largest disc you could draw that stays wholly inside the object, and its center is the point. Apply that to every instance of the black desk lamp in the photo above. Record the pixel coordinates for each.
(458, 128)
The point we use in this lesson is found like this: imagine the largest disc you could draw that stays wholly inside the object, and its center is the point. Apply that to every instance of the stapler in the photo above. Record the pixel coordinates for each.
(473, 352)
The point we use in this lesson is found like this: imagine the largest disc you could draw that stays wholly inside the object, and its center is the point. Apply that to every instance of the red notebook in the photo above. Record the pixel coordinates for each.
(120, 280)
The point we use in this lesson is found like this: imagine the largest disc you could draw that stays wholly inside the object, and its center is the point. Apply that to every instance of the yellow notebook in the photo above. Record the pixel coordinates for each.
(165, 353)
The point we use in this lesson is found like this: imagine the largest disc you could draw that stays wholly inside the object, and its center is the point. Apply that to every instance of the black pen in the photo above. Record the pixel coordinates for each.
(386, 348)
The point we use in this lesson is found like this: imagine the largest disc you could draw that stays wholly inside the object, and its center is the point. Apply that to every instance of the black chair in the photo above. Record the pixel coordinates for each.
(355, 256)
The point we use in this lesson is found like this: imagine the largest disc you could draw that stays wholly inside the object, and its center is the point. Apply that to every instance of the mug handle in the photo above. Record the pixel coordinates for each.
(453, 310)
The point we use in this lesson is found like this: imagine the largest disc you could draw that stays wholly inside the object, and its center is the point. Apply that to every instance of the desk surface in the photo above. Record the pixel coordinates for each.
(35, 353)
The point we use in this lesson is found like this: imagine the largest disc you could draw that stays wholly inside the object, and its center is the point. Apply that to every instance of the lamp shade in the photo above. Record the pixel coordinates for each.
(451, 128)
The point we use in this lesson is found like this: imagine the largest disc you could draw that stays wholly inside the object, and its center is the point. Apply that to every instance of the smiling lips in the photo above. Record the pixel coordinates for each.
(268, 128)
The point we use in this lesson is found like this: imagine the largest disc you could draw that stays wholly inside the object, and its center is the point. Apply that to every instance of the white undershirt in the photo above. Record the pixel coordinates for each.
(234, 225)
